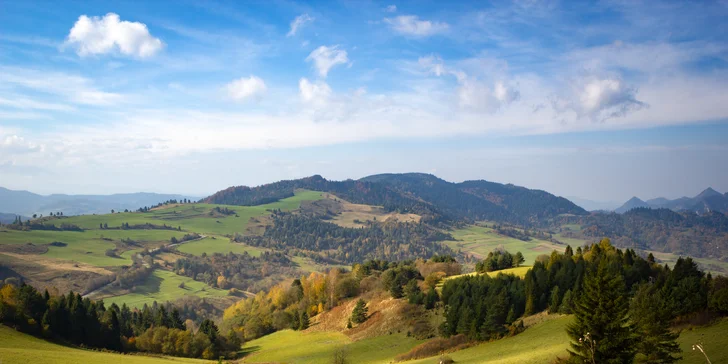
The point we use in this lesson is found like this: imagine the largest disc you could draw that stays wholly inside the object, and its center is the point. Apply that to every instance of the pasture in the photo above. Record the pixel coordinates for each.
(162, 286)
(218, 244)
(479, 241)
(19, 348)
(296, 347)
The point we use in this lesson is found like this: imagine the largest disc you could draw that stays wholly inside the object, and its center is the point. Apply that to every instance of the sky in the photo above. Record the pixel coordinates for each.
(598, 100)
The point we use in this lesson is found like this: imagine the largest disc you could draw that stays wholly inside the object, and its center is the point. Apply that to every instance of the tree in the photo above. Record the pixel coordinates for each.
(396, 291)
(602, 332)
(304, 322)
(340, 356)
(518, 259)
(360, 312)
(651, 315)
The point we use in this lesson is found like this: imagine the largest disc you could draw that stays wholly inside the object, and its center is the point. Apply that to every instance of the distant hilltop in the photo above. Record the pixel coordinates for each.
(706, 201)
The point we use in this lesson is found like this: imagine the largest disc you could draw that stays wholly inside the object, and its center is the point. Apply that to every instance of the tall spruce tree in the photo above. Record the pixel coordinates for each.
(602, 332)
(652, 315)
(360, 312)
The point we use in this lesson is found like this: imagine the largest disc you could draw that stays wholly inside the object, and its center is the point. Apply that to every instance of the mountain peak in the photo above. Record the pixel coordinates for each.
(632, 203)
(708, 192)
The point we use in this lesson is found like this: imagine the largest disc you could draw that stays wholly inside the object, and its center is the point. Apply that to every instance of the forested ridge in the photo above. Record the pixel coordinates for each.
(330, 242)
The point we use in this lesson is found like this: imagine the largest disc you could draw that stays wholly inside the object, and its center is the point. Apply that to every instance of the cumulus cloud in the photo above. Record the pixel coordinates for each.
(246, 88)
(324, 58)
(316, 94)
(102, 35)
(412, 25)
(600, 98)
(298, 23)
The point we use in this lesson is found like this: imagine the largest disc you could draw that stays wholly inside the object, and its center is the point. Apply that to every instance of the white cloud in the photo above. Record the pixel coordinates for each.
(412, 25)
(298, 23)
(97, 35)
(14, 144)
(324, 58)
(246, 87)
(75, 89)
(391, 9)
(600, 98)
(316, 94)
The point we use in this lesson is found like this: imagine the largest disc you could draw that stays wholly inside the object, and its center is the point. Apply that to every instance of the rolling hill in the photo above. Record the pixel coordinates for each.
(424, 194)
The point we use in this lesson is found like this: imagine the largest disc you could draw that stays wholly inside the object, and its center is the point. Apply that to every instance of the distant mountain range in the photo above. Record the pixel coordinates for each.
(27, 203)
(429, 196)
(591, 205)
(706, 201)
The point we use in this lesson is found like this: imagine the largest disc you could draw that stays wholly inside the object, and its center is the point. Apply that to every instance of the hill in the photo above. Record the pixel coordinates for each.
(28, 203)
(706, 201)
(434, 199)
(9, 218)
(17, 348)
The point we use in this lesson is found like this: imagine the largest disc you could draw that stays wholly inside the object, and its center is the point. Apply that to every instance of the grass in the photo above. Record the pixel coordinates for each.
(218, 244)
(295, 347)
(480, 241)
(518, 272)
(308, 265)
(19, 348)
(163, 286)
(195, 217)
(713, 339)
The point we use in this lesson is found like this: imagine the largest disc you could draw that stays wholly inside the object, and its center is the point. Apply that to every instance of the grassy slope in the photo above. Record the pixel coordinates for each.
(295, 347)
(218, 245)
(163, 286)
(480, 241)
(713, 339)
(16, 347)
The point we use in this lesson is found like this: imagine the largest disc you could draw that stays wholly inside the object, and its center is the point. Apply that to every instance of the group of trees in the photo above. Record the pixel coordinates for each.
(186, 237)
(377, 240)
(241, 271)
(18, 224)
(81, 321)
(615, 295)
(168, 202)
(144, 226)
(498, 260)
(682, 233)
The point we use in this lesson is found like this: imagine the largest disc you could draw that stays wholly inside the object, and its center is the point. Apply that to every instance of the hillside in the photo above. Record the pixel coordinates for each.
(19, 348)
(426, 195)
(28, 203)
(632, 203)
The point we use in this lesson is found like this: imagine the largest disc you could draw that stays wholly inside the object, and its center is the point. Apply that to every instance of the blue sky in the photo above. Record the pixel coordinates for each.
(599, 100)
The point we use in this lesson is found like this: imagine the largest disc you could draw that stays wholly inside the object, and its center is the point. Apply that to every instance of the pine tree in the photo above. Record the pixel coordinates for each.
(651, 315)
(396, 291)
(360, 312)
(555, 300)
(304, 321)
(601, 332)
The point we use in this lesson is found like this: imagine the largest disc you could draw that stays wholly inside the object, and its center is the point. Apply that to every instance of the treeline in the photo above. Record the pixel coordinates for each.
(293, 304)
(482, 307)
(18, 224)
(185, 237)
(498, 260)
(681, 233)
(80, 321)
(222, 211)
(168, 202)
(389, 240)
(144, 226)
(241, 271)
(361, 192)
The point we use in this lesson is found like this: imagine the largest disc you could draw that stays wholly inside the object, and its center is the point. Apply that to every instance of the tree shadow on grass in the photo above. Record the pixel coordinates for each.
(249, 350)
(151, 285)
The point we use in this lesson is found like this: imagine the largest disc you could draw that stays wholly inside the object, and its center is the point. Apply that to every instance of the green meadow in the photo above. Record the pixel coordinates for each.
(19, 348)
(162, 286)
(217, 244)
(295, 347)
(195, 217)
(480, 241)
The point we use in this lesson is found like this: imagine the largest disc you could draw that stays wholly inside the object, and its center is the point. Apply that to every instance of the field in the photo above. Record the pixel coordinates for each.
(163, 286)
(295, 347)
(18, 348)
(218, 244)
(518, 272)
(480, 241)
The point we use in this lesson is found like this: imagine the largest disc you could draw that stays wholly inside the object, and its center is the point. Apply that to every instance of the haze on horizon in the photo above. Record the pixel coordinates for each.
(601, 100)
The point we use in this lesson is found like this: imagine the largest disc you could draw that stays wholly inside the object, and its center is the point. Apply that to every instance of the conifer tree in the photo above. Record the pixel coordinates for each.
(360, 312)
(304, 322)
(602, 332)
(651, 315)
